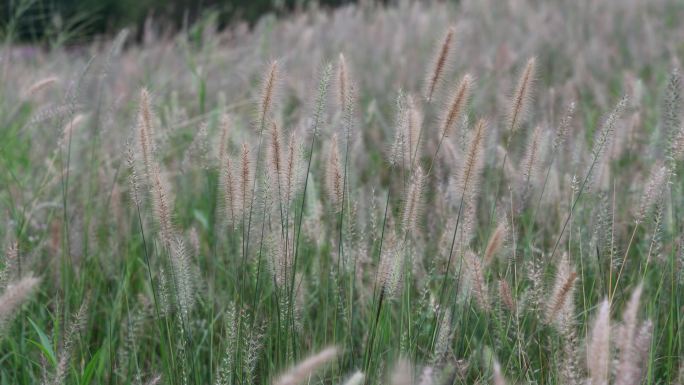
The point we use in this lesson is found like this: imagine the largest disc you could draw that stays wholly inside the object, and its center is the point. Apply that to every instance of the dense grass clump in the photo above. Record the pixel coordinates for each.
(410, 194)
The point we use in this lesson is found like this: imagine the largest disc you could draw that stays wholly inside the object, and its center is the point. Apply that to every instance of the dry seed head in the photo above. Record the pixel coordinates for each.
(522, 96)
(281, 261)
(498, 376)
(672, 121)
(40, 85)
(342, 82)
(606, 132)
(439, 65)
(268, 89)
(457, 105)
(145, 130)
(598, 347)
(469, 178)
(68, 129)
(477, 280)
(304, 369)
(629, 361)
(506, 295)
(427, 377)
(355, 379)
(390, 264)
(229, 187)
(184, 277)
(561, 297)
(14, 295)
(466, 228)
(444, 336)
(563, 127)
(641, 349)
(414, 122)
(534, 274)
(399, 150)
(77, 325)
(530, 163)
(50, 112)
(496, 241)
(653, 191)
(291, 171)
(254, 348)
(333, 176)
(276, 158)
(162, 206)
(245, 180)
(412, 203)
(402, 373)
(321, 98)
(11, 262)
(133, 176)
(227, 365)
(677, 146)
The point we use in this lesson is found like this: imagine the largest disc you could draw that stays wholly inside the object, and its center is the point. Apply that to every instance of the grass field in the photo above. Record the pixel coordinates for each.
(417, 193)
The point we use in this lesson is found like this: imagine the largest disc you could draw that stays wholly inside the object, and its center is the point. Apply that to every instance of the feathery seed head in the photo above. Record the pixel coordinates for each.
(389, 271)
(292, 170)
(563, 128)
(276, 158)
(496, 241)
(162, 205)
(477, 280)
(229, 189)
(531, 162)
(333, 175)
(507, 296)
(606, 132)
(268, 92)
(402, 373)
(145, 130)
(672, 120)
(412, 202)
(245, 180)
(653, 191)
(133, 176)
(439, 65)
(522, 96)
(304, 369)
(498, 376)
(356, 378)
(629, 365)
(414, 122)
(427, 377)
(40, 85)
(598, 347)
(14, 295)
(444, 337)
(458, 103)
(11, 262)
(183, 276)
(560, 303)
(468, 180)
(342, 82)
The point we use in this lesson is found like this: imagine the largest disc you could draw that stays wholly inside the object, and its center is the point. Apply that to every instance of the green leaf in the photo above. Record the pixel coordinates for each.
(45, 345)
(94, 364)
(202, 218)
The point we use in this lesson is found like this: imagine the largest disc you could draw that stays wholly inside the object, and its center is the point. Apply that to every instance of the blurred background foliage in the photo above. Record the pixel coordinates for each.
(74, 21)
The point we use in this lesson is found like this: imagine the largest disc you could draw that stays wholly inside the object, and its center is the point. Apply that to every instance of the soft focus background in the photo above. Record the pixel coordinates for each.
(118, 303)
(83, 20)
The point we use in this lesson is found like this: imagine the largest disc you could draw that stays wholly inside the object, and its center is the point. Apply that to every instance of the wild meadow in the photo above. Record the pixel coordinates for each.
(411, 193)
